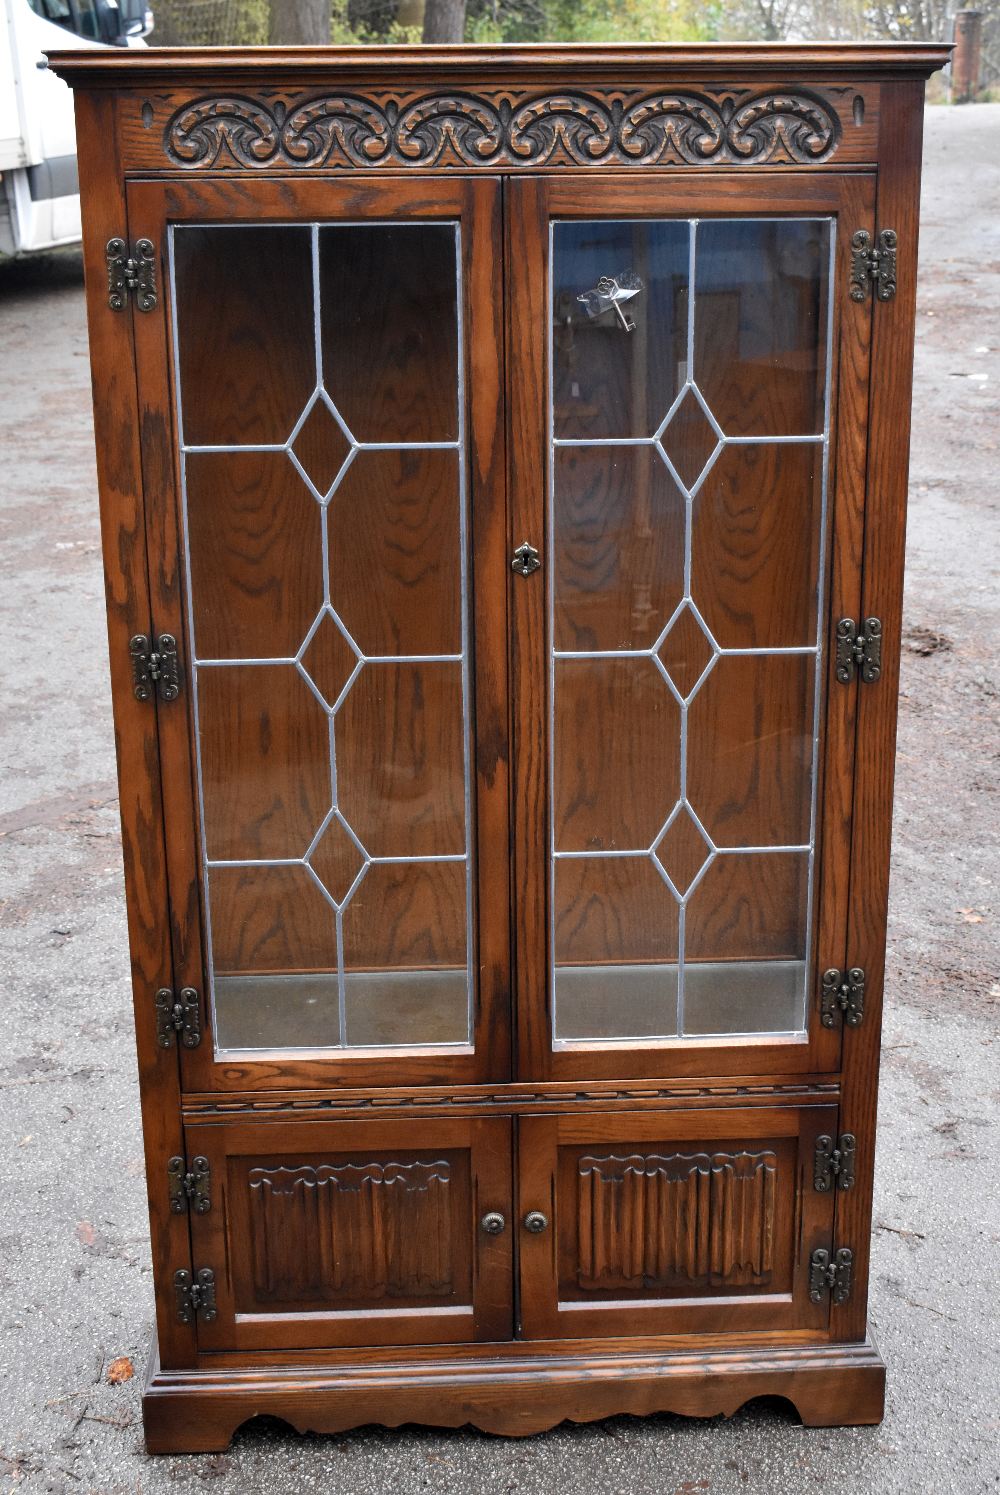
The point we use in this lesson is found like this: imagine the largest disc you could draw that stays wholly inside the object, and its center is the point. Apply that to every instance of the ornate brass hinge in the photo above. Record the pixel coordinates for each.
(131, 274)
(859, 650)
(195, 1299)
(843, 991)
(155, 667)
(832, 1162)
(833, 1277)
(189, 1188)
(873, 264)
(181, 1014)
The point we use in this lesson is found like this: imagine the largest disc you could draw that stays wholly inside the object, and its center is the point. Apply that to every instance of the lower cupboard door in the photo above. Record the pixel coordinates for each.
(678, 1222)
(326, 1233)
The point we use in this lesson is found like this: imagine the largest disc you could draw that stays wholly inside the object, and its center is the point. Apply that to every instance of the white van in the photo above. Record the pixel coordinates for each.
(39, 188)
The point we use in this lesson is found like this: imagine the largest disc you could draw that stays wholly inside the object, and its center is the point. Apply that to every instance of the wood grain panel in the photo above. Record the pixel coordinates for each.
(120, 487)
(389, 329)
(400, 763)
(395, 552)
(613, 910)
(617, 754)
(256, 557)
(250, 380)
(269, 920)
(882, 595)
(265, 761)
(750, 750)
(618, 547)
(755, 542)
(750, 908)
(407, 917)
(760, 338)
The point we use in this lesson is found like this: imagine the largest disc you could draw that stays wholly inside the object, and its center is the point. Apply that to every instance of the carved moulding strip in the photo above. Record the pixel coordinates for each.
(515, 1099)
(505, 129)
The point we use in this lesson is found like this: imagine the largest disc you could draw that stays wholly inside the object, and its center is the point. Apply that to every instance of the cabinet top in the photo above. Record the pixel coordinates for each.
(621, 63)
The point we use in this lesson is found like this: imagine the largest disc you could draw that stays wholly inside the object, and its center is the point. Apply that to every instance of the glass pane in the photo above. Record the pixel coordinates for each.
(405, 955)
(687, 522)
(615, 949)
(606, 382)
(328, 634)
(760, 331)
(390, 354)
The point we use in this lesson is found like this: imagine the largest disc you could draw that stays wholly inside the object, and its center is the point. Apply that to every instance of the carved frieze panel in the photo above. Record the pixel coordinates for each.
(506, 129)
(648, 1221)
(351, 1231)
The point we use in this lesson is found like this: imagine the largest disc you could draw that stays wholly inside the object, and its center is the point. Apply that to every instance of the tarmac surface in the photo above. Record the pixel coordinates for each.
(74, 1250)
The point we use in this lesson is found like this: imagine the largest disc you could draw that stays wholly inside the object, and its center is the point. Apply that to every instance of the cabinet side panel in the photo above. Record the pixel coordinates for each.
(116, 426)
(885, 525)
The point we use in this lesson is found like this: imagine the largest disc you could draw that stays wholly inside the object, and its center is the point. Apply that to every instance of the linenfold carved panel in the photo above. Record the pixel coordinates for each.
(351, 1231)
(647, 1221)
(506, 129)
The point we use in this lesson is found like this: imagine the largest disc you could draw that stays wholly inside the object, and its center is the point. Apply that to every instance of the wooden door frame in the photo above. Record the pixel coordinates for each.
(809, 1221)
(532, 201)
(217, 1243)
(476, 203)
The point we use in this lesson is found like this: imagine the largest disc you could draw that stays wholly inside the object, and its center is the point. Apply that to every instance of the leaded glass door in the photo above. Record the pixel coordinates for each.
(683, 756)
(327, 808)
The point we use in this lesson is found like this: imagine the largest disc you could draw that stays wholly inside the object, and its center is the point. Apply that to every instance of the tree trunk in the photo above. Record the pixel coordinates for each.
(411, 13)
(444, 21)
(299, 23)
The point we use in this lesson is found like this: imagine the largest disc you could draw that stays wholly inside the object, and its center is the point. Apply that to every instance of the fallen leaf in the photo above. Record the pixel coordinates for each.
(85, 1233)
(120, 1370)
(971, 916)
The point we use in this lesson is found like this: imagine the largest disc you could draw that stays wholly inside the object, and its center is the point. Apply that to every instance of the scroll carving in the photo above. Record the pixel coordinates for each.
(504, 130)
(647, 1221)
(351, 1232)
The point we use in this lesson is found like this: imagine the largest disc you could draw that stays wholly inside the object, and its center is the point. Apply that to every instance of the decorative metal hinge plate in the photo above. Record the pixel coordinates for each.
(189, 1188)
(829, 1276)
(873, 264)
(155, 667)
(859, 651)
(175, 1015)
(843, 991)
(195, 1299)
(525, 559)
(833, 1161)
(131, 274)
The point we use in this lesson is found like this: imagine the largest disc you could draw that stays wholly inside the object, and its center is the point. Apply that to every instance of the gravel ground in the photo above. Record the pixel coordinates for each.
(74, 1253)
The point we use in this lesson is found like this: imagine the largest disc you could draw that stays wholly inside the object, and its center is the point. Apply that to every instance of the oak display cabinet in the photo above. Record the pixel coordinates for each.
(502, 466)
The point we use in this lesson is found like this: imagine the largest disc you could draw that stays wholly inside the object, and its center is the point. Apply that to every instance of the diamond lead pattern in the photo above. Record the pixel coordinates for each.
(687, 651)
(320, 445)
(690, 437)
(682, 849)
(329, 659)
